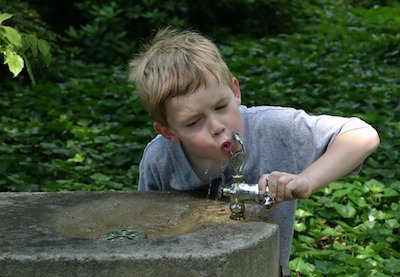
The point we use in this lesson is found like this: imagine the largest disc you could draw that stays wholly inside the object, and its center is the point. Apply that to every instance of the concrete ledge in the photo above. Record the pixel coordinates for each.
(33, 243)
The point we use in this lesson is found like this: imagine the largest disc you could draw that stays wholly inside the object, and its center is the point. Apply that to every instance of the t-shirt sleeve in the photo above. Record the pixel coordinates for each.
(148, 173)
(314, 134)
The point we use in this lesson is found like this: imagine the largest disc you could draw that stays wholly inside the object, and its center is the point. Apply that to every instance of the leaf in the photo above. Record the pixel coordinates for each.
(15, 62)
(327, 267)
(98, 177)
(392, 223)
(302, 213)
(12, 35)
(358, 200)
(299, 226)
(32, 41)
(121, 159)
(44, 49)
(389, 192)
(78, 158)
(380, 215)
(392, 265)
(328, 231)
(375, 186)
(4, 16)
(340, 193)
(379, 246)
(307, 239)
(347, 211)
(396, 185)
(299, 265)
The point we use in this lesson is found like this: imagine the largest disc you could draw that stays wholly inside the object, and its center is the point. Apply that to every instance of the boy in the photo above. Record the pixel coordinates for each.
(196, 104)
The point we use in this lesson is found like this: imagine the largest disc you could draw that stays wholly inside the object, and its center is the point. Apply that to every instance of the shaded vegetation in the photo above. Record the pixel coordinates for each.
(82, 126)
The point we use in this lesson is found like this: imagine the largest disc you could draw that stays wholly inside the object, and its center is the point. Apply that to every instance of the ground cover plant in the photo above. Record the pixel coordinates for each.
(83, 128)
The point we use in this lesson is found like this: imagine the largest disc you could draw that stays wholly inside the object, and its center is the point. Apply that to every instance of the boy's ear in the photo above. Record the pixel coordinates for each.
(237, 92)
(166, 132)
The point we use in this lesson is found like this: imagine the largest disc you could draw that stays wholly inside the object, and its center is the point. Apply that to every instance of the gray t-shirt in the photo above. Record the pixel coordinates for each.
(276, 139)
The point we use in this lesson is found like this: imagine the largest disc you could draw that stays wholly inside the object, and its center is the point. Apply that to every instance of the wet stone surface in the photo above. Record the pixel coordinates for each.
(131, 234)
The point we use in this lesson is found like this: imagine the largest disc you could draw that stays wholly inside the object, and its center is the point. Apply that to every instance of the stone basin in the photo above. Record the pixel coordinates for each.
(180, 234)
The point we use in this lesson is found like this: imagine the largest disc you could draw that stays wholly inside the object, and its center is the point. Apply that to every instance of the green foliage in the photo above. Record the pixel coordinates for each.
(109, 32)
(19, 47)
(354, 224)
(85, 132)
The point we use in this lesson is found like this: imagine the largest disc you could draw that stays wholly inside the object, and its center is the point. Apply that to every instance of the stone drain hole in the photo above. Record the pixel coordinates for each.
(129, 234)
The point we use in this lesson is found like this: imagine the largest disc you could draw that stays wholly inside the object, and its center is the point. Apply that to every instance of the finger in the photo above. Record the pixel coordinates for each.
(290, 190)
(273, 183)
(263, 183)
(282, 182)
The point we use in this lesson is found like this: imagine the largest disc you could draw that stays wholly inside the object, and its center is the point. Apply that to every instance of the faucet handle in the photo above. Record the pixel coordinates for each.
(266, 200)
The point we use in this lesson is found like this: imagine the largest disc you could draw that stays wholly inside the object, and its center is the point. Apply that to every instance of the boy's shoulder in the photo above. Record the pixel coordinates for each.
(270, 115)
(270, 111)
(156, 148)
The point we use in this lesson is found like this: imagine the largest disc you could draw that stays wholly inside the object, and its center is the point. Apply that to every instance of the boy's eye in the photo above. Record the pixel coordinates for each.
(192, 123)
(220, 107)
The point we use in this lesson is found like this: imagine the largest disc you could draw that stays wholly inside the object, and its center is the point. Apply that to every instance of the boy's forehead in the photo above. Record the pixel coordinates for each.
(188, 103)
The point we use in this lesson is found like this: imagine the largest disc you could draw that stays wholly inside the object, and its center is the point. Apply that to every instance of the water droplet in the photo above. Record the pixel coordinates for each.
(209, 189)
(207, 168)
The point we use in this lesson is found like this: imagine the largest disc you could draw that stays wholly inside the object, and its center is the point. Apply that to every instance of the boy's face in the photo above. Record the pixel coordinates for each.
(204, 120)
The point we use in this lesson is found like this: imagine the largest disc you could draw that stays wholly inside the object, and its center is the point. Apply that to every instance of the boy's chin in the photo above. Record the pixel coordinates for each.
(223, 158)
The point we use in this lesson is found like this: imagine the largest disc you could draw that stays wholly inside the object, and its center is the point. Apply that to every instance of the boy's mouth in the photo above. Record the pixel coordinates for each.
(227, 146)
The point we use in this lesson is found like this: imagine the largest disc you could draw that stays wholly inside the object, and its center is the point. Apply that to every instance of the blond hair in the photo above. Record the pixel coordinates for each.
(174, 64)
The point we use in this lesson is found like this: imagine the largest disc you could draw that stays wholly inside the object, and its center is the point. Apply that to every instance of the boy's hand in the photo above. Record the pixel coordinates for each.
(285, 186)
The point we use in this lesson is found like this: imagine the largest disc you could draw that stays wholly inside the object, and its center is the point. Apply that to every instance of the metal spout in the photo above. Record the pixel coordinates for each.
(239, 191)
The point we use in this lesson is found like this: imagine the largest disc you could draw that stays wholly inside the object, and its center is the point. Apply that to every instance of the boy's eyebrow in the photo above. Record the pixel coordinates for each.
(222, 98)
(193, 115)
(190, 116)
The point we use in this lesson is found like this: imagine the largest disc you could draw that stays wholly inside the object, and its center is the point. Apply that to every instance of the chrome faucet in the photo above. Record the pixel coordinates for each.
(239, 191)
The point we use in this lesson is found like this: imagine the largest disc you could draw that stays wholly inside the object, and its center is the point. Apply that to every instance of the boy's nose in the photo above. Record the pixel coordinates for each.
(216, 127)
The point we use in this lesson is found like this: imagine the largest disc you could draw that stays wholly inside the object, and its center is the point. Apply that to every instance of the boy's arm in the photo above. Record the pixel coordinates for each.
(346, 152)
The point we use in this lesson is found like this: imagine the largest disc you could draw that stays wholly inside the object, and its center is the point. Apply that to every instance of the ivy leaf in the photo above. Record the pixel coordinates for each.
(347, 211)
(120, 159)
(358, 200)
(299, 265)
(302, 213)
(392, 265)
(327, 267)
(389, 192)
(78, 158)
(392, 223)
(299, 226)
(375, 186)
(98, 177)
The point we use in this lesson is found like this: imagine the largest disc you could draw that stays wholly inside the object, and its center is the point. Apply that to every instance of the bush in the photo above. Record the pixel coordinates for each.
(85, 132)
(110, 31)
